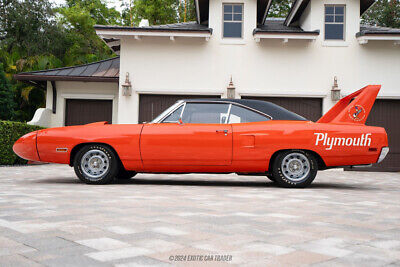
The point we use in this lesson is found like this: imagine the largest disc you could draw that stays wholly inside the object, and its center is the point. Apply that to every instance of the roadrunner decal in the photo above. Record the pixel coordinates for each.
(330, 142)
(357, 113)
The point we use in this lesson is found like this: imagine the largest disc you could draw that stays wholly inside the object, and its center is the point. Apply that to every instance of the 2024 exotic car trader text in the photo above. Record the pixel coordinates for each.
(248, 137)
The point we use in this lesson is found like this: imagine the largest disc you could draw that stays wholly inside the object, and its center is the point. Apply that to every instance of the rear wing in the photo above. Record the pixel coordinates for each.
(353, 108)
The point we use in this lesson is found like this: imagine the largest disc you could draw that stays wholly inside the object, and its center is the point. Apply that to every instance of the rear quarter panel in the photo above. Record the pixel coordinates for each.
(124, 139)
(255, 143)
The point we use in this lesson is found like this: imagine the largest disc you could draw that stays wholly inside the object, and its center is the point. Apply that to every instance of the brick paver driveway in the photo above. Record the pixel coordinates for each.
(48, 217)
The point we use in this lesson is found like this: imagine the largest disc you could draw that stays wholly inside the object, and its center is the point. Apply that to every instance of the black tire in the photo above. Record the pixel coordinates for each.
(103, 172)
(272, 178)
(125, 175)
(299, 170)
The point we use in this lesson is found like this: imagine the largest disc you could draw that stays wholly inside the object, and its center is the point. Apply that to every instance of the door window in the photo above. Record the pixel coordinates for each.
(241, 115)
(205, 113)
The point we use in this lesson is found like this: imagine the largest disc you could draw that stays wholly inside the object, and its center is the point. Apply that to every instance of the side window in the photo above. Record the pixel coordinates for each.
(334, 22)
(174, 116)
(205, 113)
(233, 20)
(241, 115)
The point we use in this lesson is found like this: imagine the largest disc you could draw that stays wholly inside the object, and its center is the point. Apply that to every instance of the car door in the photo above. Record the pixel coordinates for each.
(201, 139)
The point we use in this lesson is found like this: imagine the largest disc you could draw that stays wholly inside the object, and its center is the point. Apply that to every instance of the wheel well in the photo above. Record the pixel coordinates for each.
(320, 161)
(78, 147)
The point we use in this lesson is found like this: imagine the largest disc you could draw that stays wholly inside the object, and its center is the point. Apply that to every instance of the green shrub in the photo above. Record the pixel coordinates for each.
(10, 131)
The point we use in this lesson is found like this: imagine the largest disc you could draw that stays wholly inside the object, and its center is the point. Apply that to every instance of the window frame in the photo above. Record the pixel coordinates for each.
(335, 23)
(232, 21)
(161, 120)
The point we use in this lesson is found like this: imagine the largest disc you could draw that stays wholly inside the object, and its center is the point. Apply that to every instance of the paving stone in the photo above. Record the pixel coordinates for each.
(49, 217)
(104, 243)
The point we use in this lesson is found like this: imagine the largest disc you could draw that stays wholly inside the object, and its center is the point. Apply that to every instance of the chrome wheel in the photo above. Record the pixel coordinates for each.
(95, 163)
(295, 167)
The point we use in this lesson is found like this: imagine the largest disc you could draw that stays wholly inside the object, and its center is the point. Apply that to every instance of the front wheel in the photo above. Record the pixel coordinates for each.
(295, 169)
(125, 175)
(96, 164)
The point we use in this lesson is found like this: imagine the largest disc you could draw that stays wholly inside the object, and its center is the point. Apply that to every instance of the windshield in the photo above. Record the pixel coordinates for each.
(168, 110)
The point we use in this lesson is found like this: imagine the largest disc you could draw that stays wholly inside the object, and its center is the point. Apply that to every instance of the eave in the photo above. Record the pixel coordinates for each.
(285, 36)
(364, 38)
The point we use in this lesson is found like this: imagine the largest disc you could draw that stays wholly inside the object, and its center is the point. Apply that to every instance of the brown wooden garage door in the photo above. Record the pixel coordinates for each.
(150, 106)
(310, 108)
(385, 113)
(83, 111)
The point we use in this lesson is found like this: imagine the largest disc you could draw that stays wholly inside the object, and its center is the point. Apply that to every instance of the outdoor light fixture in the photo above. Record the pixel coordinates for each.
(335, 92)
(127, 87)
(230, 90)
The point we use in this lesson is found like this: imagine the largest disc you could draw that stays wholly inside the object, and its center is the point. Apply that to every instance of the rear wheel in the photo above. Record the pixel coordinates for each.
(295, 169)
(96, 164)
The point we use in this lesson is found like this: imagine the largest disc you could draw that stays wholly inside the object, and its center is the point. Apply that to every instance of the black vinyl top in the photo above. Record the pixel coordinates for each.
(268, 108)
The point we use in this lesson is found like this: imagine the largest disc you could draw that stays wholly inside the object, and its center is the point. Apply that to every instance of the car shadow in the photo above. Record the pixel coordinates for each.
(209, 183)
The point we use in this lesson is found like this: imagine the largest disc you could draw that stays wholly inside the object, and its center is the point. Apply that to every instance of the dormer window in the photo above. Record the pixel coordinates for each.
(233, 20)
(334, 22)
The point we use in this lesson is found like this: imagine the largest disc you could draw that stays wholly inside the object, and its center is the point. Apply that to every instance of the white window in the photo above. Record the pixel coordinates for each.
(232, 20)
(334, 22)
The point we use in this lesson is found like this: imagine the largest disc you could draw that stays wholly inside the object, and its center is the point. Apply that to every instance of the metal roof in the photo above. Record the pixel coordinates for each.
(101, 71)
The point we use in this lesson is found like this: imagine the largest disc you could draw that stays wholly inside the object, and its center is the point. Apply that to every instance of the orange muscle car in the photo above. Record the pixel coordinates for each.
(248, 137)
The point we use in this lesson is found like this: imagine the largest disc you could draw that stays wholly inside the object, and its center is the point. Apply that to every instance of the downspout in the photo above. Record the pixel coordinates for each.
(53, 86)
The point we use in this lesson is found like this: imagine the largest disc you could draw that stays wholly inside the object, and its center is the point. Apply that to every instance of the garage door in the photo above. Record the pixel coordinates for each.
(150, 106)
(83, 111)
(310, 108)
(385, 113)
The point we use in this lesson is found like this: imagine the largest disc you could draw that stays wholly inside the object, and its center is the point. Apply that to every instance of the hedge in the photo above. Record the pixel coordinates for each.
(10, 131)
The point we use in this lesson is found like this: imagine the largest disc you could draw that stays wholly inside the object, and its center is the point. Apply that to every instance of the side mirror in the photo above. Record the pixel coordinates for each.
(180, 121)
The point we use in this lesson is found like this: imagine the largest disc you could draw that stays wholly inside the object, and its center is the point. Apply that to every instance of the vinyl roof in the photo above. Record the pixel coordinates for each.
(273, 110)
(101, 71)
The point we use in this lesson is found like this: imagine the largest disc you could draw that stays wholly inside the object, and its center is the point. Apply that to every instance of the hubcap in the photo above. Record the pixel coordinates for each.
(95, 164)
(295, 167)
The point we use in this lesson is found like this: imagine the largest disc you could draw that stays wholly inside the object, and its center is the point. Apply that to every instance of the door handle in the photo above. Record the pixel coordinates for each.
(222, 131)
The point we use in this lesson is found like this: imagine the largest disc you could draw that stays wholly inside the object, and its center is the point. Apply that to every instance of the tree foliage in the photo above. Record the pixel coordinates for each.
(6, 96)
(161, 11)
(280, 8)
(383, 13)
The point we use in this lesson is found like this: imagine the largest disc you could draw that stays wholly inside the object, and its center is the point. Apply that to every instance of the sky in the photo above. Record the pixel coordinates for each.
(111, 3)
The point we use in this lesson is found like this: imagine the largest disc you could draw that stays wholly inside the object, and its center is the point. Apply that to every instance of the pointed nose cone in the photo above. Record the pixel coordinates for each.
(25, 147)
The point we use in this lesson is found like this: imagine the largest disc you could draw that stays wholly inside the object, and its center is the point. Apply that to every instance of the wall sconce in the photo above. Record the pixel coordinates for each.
(127, 86)
(230, 90)
(335, 92)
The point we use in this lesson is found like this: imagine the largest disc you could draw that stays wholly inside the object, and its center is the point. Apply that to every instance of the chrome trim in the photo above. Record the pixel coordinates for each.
(222, 101)
(166, 115)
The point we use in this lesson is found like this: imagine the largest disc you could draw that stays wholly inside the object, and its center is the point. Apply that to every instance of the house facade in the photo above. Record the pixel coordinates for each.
(235, 49)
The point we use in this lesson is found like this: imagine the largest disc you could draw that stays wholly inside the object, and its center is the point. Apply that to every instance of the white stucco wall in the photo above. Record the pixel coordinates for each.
(79, 90)
(268, 68)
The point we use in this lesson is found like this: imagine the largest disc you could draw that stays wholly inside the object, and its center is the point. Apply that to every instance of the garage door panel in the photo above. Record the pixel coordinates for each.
(151, 105)
(310, 108)
(83, 111)
(385, 113)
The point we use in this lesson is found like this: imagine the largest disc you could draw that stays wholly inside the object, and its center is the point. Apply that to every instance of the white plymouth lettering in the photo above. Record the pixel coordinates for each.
(330, 142)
